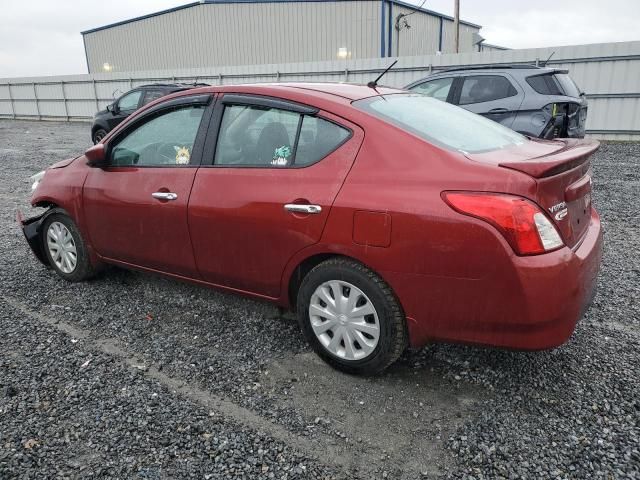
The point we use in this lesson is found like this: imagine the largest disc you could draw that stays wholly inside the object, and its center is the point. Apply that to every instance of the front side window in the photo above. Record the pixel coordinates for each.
(485, 88)
(438, 88)
(270, 137)
(441, 123)
(130, 101)
(165, 140)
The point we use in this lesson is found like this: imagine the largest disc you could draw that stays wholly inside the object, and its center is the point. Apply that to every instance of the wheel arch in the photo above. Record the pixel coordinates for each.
(98, 126)
(303, 264)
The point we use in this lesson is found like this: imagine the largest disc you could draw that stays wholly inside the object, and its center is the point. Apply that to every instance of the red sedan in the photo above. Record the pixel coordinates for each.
(385, 218)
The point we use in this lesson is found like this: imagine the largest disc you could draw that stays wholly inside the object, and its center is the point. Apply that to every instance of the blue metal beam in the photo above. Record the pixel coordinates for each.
(390, 50)
(382, 29)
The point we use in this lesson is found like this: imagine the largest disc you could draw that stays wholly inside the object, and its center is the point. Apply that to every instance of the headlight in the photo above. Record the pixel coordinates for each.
(36, 179)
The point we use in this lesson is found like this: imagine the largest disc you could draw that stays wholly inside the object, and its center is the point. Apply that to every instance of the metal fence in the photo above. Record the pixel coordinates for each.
(608, 73)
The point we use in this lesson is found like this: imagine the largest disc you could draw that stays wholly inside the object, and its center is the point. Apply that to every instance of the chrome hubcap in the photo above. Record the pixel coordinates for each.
(62, 248)
(344, 320)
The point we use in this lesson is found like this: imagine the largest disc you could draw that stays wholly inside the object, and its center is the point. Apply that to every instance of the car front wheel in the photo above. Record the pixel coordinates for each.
(65, 249)
(351, 317)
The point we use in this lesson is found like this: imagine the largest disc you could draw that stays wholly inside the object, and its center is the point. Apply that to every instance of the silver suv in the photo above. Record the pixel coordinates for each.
(535, 101)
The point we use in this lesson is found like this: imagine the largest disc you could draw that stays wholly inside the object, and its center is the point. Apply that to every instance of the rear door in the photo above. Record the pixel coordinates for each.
(495, 96)
(136, 208)
(274, 170)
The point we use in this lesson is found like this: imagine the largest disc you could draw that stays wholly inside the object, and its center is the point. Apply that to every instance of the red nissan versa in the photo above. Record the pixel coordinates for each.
(385, 218)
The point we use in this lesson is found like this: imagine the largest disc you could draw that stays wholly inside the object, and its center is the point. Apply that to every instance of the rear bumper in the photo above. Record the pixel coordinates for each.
(32, 230)
(528, 303)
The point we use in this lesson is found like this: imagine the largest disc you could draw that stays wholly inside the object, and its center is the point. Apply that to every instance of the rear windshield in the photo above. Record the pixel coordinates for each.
(568, 85)
(440, 123)
(554, 84)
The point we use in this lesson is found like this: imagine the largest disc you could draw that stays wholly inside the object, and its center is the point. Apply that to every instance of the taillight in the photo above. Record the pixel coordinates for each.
(522, 223)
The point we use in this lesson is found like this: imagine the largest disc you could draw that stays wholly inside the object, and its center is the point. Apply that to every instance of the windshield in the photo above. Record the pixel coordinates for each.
(441, 123)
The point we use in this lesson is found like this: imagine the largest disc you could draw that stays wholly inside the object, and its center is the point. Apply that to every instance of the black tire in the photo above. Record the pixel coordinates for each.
(393, 333)
(98, 135)
(83, 269)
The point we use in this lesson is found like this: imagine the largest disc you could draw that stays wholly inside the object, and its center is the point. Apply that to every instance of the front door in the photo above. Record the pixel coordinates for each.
(267, 194)
(136, 208)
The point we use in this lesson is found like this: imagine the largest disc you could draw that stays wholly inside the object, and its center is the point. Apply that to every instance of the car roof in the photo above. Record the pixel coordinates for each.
(512, 69)
(174, 86)
(335, 91)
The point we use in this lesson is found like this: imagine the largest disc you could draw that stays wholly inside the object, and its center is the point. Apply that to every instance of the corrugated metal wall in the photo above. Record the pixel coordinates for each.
(422, 38)
(608, 73)
(239, 34)
(268, 32)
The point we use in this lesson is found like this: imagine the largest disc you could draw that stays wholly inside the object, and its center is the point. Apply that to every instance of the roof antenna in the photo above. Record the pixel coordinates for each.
(544, 64)
(374, 83)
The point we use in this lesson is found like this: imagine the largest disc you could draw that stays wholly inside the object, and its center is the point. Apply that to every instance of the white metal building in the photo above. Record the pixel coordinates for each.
(249, 32)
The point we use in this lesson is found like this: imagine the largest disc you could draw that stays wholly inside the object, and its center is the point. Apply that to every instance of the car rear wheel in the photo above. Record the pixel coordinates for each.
(351, 317)
(98, 135)
(65, 249)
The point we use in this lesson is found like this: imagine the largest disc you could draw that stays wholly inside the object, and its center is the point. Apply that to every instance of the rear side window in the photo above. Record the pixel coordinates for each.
(545, 84)
(440, 123)
(485, 88)
(554, 84)
(318, 138)
(270, 137)
(437, 88)
(151, 95)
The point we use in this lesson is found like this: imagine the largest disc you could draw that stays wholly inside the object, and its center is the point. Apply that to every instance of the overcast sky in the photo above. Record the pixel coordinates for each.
(42, 37)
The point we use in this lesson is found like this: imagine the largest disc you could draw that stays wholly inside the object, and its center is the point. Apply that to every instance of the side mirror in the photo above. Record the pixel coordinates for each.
(113, 108)
(96, 156)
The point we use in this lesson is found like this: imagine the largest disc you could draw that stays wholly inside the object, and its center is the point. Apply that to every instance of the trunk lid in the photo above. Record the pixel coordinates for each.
(561, 170)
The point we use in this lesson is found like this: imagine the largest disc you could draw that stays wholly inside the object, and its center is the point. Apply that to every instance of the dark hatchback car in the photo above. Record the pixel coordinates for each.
(106, 120)
(535, 101)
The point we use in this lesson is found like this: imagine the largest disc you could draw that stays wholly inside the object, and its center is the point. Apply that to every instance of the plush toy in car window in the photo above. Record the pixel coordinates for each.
(281, 156)
(182, 155)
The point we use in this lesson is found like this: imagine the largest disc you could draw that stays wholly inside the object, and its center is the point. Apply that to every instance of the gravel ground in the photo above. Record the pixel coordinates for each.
(184, 381)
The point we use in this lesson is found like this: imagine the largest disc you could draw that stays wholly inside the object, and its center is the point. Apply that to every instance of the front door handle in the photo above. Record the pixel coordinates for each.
(498, 110)
(302, 208)
(165, 195)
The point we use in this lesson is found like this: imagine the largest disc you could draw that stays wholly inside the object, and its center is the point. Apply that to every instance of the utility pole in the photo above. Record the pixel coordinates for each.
(456, 24)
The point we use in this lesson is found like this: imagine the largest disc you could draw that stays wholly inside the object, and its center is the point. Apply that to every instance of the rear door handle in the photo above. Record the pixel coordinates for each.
(301, 208)
(165, 195)
(498, 110)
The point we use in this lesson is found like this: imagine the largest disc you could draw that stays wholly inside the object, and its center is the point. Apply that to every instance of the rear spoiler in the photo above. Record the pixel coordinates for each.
(574, 154)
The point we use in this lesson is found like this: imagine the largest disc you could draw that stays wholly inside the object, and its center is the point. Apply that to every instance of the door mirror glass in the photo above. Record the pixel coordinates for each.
(96, 156)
